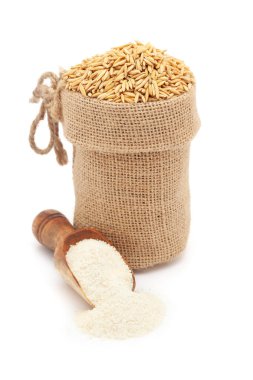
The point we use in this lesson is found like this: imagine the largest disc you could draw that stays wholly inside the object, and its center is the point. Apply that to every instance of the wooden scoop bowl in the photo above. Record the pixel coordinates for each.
(53, 230)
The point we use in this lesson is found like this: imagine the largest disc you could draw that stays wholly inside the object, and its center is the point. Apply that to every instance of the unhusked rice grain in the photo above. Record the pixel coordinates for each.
(130, 73)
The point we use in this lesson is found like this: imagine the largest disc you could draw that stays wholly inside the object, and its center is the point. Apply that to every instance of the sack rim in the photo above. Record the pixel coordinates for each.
(127, 106)
(109, 127)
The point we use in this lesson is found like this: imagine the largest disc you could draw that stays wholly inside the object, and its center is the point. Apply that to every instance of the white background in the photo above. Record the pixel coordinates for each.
(208, 331)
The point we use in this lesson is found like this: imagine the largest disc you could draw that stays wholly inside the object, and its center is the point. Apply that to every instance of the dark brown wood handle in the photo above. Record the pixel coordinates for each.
(51, 226)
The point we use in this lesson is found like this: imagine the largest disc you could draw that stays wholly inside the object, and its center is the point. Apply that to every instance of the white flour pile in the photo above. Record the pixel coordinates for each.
(119, 312)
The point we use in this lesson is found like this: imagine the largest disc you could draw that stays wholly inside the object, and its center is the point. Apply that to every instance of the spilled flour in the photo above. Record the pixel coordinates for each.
(105, 278)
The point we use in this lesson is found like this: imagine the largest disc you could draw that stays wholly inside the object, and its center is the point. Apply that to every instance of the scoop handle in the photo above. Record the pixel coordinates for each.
(50, 226)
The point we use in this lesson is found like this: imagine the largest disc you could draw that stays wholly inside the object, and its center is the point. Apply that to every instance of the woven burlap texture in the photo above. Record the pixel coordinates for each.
(130, 172)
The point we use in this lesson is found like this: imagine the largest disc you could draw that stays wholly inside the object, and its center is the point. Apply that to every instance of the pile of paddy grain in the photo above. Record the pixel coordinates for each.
(130, 73)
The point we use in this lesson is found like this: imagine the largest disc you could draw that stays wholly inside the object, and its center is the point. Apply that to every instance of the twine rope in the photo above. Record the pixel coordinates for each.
(48, 96)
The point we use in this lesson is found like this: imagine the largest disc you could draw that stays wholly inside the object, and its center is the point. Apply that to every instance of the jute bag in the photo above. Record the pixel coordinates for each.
(130, 167)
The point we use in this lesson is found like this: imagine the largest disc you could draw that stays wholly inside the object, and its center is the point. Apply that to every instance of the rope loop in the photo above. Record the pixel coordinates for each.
(47, 95)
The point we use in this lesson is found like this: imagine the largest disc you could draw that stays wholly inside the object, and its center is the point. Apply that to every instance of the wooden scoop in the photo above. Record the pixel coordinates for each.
(53, 230)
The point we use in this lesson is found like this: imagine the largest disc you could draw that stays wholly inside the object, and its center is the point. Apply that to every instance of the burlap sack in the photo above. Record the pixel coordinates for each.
(130, 172)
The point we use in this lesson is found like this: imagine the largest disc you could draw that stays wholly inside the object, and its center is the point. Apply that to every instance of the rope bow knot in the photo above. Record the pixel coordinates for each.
(49, 96)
